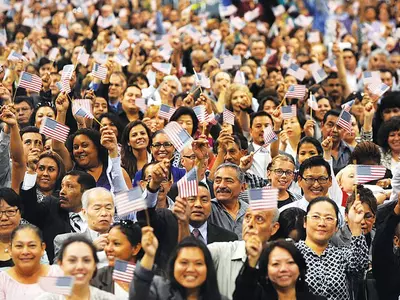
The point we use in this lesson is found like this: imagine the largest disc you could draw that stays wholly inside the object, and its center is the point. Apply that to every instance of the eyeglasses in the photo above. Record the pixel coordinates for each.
(317, 218)
(311, 180)
(192, 157)
(165, 145)
(280, 172)
(9, 213)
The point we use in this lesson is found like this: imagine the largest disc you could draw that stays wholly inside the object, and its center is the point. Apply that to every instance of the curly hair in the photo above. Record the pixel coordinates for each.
(383, 135)
(234, 87)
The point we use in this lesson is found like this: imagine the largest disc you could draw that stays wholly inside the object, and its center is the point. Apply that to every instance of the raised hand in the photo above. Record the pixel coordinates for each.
(7, 116)
(33, 159)
(223, 140)
(149, 241)
(327, 145)
(181, 210)
(200, 147)
(253, 250)
(160, 172)
(355, 216)
(309, 128)
(277, 118)
(108, 139)
(246, 162)
(62, 103)
(46, 81)
(100, 242)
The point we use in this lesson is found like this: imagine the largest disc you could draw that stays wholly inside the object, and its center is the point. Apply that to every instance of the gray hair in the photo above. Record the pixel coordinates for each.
(276, 216)
(86, 195)
(174, 78)
(239, 173)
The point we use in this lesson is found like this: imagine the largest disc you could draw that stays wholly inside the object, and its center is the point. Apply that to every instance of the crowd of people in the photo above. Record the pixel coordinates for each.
(292, 95)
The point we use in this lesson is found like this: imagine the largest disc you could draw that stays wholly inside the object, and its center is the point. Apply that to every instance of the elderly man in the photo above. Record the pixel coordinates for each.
(98, 211)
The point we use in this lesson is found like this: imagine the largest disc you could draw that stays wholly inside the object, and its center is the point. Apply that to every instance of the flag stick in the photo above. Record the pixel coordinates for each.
(355, 185)
(15, 93)
(147, 217)
(94, 118)
(311, 106)
(195, 90)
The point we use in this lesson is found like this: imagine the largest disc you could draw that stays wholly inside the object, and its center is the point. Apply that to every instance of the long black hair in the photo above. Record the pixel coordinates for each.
(209, 289)
(129, 161)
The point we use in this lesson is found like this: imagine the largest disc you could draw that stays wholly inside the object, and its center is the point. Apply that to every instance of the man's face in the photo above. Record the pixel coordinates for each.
(313, 188)
(395, 61)
(129, 101)
(233, 154)
(387, 79)
(32, 140)
(200, 207)
(258, 50)
(329, 129)
(187, 83)
(100, 211)
(116, 88)
(188, 159)
(240, 49)
(259, 223)
(221, 82)
(24, 112)
(46, 68)
(71, 193)
(257, 128)
(350, 62)
(227, 186)
(334, 88)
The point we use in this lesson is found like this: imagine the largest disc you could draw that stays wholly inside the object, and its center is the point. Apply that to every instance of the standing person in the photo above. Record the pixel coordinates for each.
(281, 273)
(123, 242)
(191, 272)
(329, 268)
(21, 280)
(78, 259)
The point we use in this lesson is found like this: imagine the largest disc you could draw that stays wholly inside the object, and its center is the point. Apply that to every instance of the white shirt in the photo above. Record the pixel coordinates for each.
(261, 160)
(120, 293)
(203, 231)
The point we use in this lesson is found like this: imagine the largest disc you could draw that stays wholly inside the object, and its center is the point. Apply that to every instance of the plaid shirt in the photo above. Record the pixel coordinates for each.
(253, 181)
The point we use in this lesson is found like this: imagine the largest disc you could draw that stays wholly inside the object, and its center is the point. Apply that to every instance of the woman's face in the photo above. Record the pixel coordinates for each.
(190, 269)
(78, 261)
(138, 138)
(290, 80)
(394, 141)
(9, 220)
(238, 98)
(292, 127)
(42, 112)
(357, 109)
(348, 180)
(350, 137)
(283, 271)
(100, 107)
(282, 181)
(84, 151)
(47, 172)
(119, 247)
(186, 122)
(369, 219)
(318, 230)
(26, 250)
(323, 107)
(269, 106)
(306, 150)
(162, 147)
(110, 124)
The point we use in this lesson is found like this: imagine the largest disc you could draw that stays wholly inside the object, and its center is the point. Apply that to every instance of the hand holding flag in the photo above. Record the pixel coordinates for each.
(57, 285)
(188, 184)
(123, 271)
(130, 201)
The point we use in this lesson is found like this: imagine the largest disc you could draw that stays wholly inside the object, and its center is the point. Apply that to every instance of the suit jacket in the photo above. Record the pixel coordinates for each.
(47, 215)
(165, 227)
(103, 280)
(173, 192)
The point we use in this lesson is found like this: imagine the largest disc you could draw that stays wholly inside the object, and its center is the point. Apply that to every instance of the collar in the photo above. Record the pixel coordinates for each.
(93, 234)
(202, 229)
(240, 251)
(344, 146)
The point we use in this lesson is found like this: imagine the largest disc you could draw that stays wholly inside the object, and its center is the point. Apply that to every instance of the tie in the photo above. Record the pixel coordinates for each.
(74, 219)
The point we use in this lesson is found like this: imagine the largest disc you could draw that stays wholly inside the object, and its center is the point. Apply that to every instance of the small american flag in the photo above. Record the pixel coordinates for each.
(378, 88)
(269, 136)
(239, 77)
(64, 86)
(123, 46)
(296, 91)
(15, 56)
(130, 201)
(30, 82)
(263, 199)
(312, 102)
(141, 103)
(317, 72)
(368, 173)
(81, 112)
(84, 103)
(330, 63)
(344, 121)
(289, 111)
(286, 60)
(188, 185)
(371, 76)
(347, 106)
(83, 57)
(228, 117)
(296, 71)
(57, 285)
(99, 71)
(166, 111)
(202, 80)
(162, 67)
(123, 271)
(67, 72)
(201, 113)
(54, 130)
(179, 137)
(53, 54)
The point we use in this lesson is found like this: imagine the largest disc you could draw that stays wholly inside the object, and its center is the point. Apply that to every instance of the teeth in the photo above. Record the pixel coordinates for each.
(80, 275)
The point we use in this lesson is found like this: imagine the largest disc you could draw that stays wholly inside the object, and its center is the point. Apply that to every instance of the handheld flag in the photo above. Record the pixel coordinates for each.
(64, 86)
(368, 173)
(239, 77)
(286, 60)
(162, 67)
(57, 285)
(347, 106)
(15, 56)
(99, 71)
(378, 88)
(296, 91)
(228, 117)
(179, 137)
(83, 58)
(67, 72)
(130, 201)
(123, 271)
(344, 121)
(318, 73)
(201, 113)
(263, 199)
(371, 77)
(289, 111)
(141, 103)
(252, 15)
(166, 111)
(202, 80)
(330, 63)
(296, 71)
(188, 185)
(81, 112)
(53, 54)
(54, 130)
(30, 82)
(312, 102)
(269, 136)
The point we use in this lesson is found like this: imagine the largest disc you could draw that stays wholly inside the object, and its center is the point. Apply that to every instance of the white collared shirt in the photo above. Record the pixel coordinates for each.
(261, 160)
(203, 231)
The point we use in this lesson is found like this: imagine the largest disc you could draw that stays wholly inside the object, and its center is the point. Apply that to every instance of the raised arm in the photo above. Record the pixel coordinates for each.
(182, 212)
(341, 69)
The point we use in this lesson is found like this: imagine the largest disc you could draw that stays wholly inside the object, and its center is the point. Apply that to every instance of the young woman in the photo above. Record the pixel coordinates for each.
(329, 268)
(389, 140)
(191, 272)
(21, 280)
(136, 141)
(281, 274)
(44, 110)
(78, 258)
(123, 242)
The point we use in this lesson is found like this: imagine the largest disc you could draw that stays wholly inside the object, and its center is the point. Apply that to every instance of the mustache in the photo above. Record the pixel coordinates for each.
(223, 190)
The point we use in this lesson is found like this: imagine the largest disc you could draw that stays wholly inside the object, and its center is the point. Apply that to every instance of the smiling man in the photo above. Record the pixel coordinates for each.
(130, 112)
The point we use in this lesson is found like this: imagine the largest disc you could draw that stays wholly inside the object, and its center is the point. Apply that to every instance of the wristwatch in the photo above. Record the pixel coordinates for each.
(151, 190)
